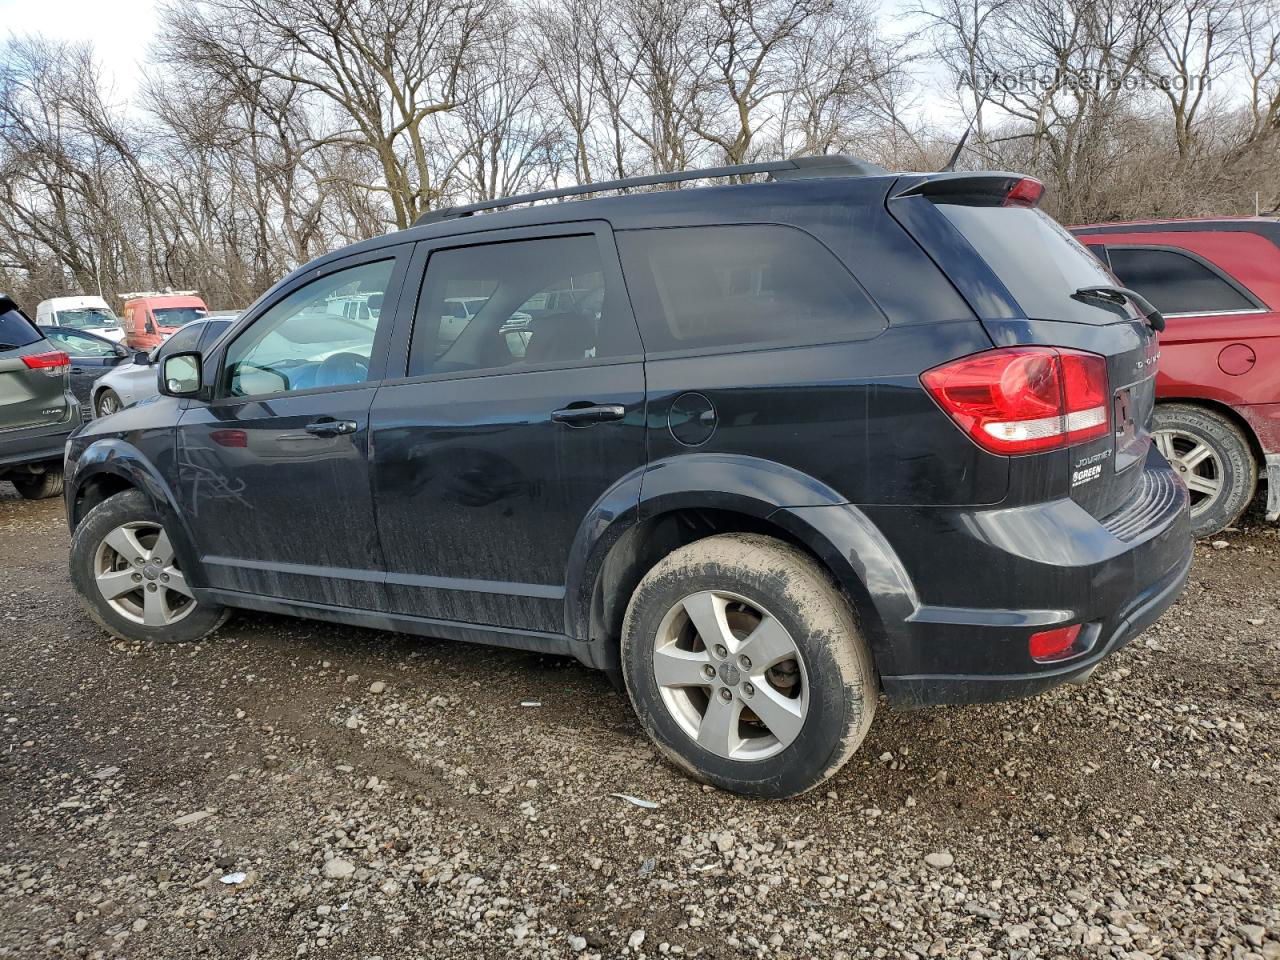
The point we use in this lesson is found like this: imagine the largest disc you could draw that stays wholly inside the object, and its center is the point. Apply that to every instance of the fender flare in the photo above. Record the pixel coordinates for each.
(117, 458)
(860, 559)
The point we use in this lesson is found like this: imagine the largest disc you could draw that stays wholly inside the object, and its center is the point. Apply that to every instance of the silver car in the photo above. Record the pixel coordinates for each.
(134, 381)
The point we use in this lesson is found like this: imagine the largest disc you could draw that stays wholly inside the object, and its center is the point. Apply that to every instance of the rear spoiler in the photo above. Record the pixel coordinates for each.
(1000, 189)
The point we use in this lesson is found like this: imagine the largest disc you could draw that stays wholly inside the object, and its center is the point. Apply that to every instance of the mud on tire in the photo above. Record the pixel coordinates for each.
(90, 562)
(801, 716)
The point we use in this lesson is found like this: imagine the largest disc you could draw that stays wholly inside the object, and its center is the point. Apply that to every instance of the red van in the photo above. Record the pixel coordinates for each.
(151, 318)
(1217, 418)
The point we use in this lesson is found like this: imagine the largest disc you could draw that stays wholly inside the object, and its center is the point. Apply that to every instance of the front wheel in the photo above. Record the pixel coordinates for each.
(108, 402)
(745, 666)
(129, 577)
(1213, 458)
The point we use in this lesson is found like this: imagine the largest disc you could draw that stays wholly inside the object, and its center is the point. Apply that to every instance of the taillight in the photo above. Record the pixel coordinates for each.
(230, 438)
(1025, 193)
(54, 364)
(1024, 399)
(1053, 644)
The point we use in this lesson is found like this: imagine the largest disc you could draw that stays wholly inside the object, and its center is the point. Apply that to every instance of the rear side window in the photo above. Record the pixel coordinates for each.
(1037, 260)
(731, 286)
(1174, 282)
(512, 305)
(16, 330)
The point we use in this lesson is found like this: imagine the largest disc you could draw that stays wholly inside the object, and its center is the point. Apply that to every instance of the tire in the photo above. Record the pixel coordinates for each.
(130, 522)
(1214, 460)
(821, 701)
(39, 486)
(106, 402)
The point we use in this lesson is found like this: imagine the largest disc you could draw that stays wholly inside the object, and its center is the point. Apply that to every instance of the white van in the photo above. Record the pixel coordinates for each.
(82, 313)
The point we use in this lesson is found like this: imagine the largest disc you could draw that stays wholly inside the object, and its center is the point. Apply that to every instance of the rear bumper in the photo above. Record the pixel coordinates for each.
(921, 691)
(985, 580)
(36, 445)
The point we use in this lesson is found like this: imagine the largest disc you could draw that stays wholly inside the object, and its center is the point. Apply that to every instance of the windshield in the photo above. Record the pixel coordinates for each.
(178, 316)
(87, 318)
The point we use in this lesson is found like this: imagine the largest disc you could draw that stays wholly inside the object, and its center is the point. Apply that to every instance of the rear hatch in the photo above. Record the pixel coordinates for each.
(33, 376)
(1021, 272)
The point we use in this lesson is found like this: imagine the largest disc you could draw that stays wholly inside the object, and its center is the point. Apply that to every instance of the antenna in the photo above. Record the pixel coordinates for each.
(955, 155)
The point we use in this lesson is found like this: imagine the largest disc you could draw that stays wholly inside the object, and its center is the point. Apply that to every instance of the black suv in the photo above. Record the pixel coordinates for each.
(778, 448)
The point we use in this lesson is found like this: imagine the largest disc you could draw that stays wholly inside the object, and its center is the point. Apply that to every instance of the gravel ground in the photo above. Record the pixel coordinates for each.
(391, 797)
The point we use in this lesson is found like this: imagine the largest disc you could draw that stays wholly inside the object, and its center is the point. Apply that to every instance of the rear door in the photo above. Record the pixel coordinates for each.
(32, 388)
(502, 433)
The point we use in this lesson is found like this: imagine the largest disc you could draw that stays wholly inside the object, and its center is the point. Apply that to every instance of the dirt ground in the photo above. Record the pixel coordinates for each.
(391, 797)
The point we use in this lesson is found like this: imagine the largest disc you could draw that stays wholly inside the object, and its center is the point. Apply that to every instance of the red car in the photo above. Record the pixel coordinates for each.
(1217, 417)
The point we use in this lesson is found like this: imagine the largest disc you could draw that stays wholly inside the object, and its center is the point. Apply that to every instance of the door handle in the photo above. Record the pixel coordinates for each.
(585, 416)
(331, 428)
(77, 369)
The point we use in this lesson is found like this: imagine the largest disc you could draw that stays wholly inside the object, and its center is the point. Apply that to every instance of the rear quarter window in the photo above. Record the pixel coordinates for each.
(1037, 260)
(741, 286)
(16, 330)
(1175, 282)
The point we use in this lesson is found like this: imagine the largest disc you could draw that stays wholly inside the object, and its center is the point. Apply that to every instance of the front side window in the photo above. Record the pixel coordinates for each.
(482, 307)
(310, 338)
(730, 286)
(80, 346)
(1174, 282)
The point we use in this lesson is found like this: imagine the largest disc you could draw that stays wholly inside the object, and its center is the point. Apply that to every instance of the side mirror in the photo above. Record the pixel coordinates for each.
(142, 358)
(180, 375)
(120, 350)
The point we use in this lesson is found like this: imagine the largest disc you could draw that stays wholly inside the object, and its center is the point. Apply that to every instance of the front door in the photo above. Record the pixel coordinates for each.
(274, 471)
(518, 413)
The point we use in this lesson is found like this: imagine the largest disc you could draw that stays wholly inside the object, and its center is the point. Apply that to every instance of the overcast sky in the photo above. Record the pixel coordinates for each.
(122, 30)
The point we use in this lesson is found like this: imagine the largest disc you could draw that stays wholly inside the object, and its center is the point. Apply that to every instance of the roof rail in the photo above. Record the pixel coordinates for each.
(139, 294)
(794, 169)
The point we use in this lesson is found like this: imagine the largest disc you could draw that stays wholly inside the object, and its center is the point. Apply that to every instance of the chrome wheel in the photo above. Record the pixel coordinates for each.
(108, 403)
(137, 574)
(1196, 463)
(730, 675)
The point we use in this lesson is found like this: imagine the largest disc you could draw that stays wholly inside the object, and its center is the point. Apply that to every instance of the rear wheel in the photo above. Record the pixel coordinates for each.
(1214, 460)
(745, 666)
(130, 578)
(39, 486)
(108, 402)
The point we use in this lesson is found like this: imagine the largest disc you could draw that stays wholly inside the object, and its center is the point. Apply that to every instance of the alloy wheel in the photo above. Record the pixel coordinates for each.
(730, 675)
(107, 404)
(137, 574)
(1196, 463)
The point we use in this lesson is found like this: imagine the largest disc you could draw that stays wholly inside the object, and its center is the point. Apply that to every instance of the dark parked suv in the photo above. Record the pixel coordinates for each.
(37, 409)
(786, 447)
